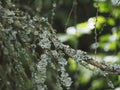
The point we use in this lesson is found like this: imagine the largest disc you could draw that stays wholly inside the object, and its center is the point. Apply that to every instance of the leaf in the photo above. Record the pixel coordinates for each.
(104, 7)
(81, 25)
(104, 38)
(72, 64)
(97, 84)
(100, 21)
(111, 21)
(85, 76)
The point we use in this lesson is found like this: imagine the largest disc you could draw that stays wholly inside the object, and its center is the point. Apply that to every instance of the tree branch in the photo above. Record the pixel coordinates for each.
(110, 68)
(79, 55)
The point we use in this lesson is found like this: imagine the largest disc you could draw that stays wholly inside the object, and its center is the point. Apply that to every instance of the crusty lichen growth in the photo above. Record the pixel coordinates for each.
(27, 52)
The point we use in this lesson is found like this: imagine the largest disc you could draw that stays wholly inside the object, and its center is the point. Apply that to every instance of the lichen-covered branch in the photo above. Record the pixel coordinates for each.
(115, 69)
(80, 55)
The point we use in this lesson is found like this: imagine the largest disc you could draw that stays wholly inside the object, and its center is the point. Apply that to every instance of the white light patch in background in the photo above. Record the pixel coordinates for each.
(107, 47)
(71, 30)
(112, 59)
(91, 23)
(87, 29)
(113, 37)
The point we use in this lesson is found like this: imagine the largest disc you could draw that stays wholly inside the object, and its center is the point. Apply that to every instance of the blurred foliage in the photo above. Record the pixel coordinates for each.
(108, 31)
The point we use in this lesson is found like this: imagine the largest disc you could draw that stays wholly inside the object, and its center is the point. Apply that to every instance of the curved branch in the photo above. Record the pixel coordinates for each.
(115, 69)
(80, 55)
(110, 68)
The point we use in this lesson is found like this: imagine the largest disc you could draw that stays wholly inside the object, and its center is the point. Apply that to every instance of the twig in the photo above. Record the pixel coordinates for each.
(115, 69)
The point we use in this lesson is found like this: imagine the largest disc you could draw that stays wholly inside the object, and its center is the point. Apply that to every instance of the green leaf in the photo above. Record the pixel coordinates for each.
(72, 64)
(111, 21)
(104, 38)
(85, 76)
(116, 13)
(81, 25)
(97, 84)
(112, 45)
(100, 20)
(104, 7)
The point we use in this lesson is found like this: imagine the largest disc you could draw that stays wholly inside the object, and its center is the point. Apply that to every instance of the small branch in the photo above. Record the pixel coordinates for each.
(110, 68)
(115, 69)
